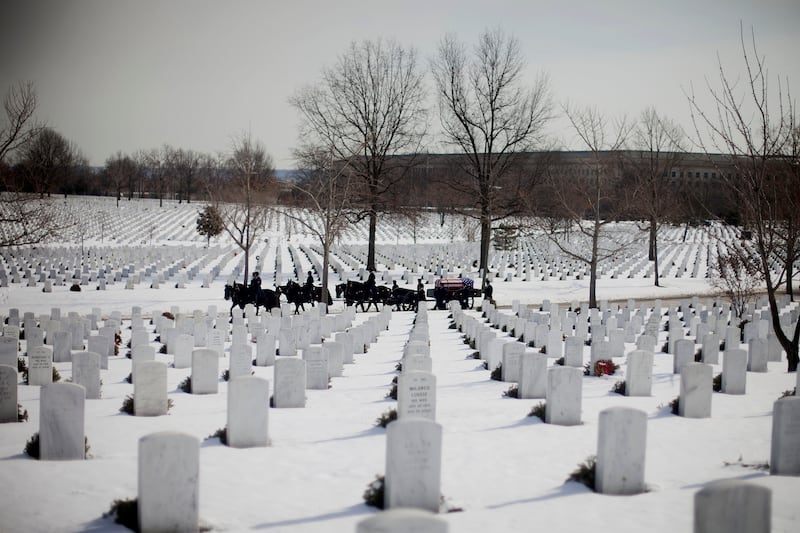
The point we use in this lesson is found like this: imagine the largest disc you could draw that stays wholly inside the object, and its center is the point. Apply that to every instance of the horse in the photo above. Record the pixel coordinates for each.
(242, 295)
(299, 295)
(356, 293)
(404, 299)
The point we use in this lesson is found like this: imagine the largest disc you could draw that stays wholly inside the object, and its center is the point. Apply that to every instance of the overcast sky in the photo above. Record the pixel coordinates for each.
(127, 75)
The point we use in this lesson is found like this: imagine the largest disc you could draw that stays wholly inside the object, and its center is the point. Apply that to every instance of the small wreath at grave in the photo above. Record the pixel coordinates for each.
(665, 348)
(698, 356)
(789, 393)
(497, 373)
(512, 392)
(585, 473)
(619, 387)
(560, 361)
(186, 385)
(543, 349)
(22, 366)
(674, 406)
(716, 383)
(22, 414)
(399, 367)
(602, 367)
(75, 288)
(474, 355)
(392, 392)
(33, 449)
(539, 410)
(221, 434)
(125, 513)
(386, 418)
(374, 493)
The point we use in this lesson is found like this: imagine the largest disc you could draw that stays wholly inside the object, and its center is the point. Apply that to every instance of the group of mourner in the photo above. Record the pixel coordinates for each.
(363, 295)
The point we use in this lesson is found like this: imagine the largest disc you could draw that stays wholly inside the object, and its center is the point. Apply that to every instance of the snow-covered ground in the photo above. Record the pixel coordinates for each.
(505, 470)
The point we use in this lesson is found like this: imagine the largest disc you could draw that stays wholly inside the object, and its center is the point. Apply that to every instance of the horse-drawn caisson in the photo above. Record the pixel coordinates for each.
(461, 289)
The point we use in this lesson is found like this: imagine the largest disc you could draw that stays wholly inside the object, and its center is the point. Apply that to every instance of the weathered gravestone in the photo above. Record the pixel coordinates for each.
(416, 395)
(512, 353)
(734, 371)
(695, 391)
(711, 349)
(181, 348)
(241, 361)
(532, 375)
(140, 354)
(61, 422)
(8, 351)
(639, 373)
(150, 389)
(403, 521)
(248, 412)
(40, 366)
(205, 371)
(573, 352)
(62, 345)
(101, 345)
(286, 342)
(414, 363)
(290, 383)
(216, 341)
(684, 354)
(785, 451)
(34, 337)
(564, 394)
(86, 372)
(621, 444)
(333, 352)
(265, 349)
(733, 506)
(8, 393)
(413, 464)
(316, 368)
(757, 355)
(169, 466)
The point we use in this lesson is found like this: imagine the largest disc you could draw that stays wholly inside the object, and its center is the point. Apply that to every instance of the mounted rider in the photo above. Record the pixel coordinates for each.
(255, 286)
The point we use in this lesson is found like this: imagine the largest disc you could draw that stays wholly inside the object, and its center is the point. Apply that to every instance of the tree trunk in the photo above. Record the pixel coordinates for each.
(655, 260)
(326, 247)
(651, 254)
(486, 238)
(790, 246)
(373, 225)
(593, 266)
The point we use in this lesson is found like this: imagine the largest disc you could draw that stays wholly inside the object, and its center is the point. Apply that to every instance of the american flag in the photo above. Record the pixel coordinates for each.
(455, 284)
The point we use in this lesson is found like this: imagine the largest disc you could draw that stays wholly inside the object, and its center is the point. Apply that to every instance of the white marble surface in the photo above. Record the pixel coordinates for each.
(290, 382)
(248, 412)
(621, 445)
(150, 389)
(205, 371)
(62, 421)
(413, 464)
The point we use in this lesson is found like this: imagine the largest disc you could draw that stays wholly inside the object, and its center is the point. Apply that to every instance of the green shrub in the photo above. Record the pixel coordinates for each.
(56, 375)
(22, 414)
(399, 366)
(585, 473)
(674, 406)
(475, 355)
(788, 393)
(127, 405)
(698, 356)
(619, 387)
(221, 434)
(539, 410)
(497, 373)
(125, 513)
(392, 392)
(22, 366)
(386, 418)
(665, 348)
(716, 384)
(33, 450)
(559, 361)
(374, 493)
(512, 392)
(543, 349)
(129, 378)
(186, 385)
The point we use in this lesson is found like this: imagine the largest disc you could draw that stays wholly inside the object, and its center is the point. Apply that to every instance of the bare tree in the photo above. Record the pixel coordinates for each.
(658, 199)
(19, 126)
(368, 108)
(324, 191)
(121, 172)
(49, 161)
(738, 278)
(589, 195)
(488, 113)
(184, 166)
(243, 198)
(755, 124)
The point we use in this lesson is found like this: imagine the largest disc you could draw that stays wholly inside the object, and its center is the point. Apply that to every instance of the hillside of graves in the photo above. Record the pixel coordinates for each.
(236, 421)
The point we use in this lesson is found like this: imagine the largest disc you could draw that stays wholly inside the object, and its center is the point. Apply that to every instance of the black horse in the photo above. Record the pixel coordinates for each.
(242, 295)
(299, 295)
(404, 299)
(357, 293)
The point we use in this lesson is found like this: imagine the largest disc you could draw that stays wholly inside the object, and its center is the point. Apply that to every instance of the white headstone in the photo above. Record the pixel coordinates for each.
(248, 412)
(169, 467)
(416, 395)
(40, 366)
(533, 375)
(241, 361)
(564, 394)
(290, 383)
(8, 393)
(205, 371)
(86, 372)
(695, 391)
(785, 450)
(733, 506)
(265, 349)
(403, 521)
(150, 389)
(61, 423)
(639, 373)
(734, 371)
(413, 464)
(621, 444)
